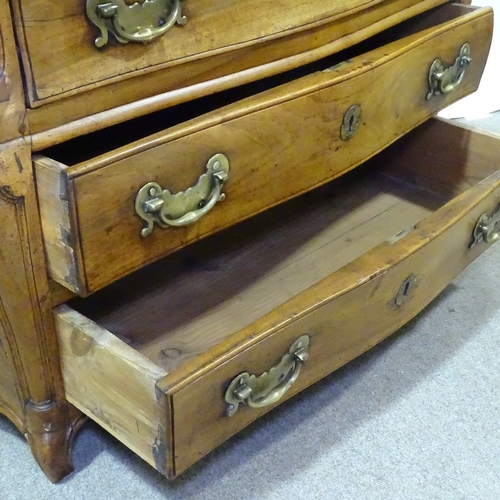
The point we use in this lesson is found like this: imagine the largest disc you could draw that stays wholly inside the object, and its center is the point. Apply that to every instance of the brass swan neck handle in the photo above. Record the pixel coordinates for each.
(134, 21)
(444, 81)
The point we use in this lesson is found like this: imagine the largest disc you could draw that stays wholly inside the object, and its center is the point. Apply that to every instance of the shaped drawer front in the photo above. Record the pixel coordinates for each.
(164, 45)
(250, 155)
(173, 367)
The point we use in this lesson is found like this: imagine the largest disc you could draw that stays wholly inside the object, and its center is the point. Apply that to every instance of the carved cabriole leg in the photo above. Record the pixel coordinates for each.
(28, 334)
(50, 430)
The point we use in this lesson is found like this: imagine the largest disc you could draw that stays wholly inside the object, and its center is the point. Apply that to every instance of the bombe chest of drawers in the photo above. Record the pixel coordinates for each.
(185, 241)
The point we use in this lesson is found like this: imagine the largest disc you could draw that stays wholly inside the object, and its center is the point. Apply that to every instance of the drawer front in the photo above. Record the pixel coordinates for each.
(278, 144)
(76, 60)
(351, 311)
(206, 47)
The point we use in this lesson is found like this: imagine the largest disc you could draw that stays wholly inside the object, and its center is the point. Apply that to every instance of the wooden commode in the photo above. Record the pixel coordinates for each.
(185, 241)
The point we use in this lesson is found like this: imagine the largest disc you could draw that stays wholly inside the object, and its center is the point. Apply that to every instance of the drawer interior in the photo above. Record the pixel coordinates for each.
(180, 307)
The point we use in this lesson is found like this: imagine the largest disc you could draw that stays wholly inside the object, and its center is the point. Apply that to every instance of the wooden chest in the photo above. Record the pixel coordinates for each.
(184, 228)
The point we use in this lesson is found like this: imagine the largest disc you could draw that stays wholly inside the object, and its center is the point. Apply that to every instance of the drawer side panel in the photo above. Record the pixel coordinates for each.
(61, 244)
(113, 384)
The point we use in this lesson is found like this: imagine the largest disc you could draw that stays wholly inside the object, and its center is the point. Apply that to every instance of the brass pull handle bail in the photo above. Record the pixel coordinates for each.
(487, 228)
(139, 21)
(444, 81)
(269, 387)
(156, 205)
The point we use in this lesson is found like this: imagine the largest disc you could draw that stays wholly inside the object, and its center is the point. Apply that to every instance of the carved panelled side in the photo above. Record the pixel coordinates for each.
(31, 390)
(18, 288)
(28, 335)
(11, 109)
(10, 402)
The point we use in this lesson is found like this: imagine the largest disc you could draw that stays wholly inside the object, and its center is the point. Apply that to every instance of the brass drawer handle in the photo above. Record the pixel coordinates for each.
(444, 81)
(487, 228)
(129, 21)
(157, 205)
(269, 387)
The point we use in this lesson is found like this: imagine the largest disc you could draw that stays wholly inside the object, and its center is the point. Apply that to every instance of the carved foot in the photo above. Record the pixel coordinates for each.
(50, 431)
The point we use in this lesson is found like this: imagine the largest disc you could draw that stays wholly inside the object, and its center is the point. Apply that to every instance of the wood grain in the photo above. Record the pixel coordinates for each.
(65, 88)
(31, 390)
(59, 294)
(27, 328)
(207, 293)
(12, 105)
(10, 393)
(347, 323)
(113, 384)
(76, 64)
(349, 277)
(455, 157)
(290, 133)
(155, 87)
(60, 242)
(253, 268)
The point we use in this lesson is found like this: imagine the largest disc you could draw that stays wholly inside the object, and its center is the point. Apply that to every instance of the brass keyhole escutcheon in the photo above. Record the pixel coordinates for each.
(351, 121)
(405, 290)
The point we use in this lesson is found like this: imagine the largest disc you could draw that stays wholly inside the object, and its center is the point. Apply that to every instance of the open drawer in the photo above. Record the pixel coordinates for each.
(106, 215)
(179, 356)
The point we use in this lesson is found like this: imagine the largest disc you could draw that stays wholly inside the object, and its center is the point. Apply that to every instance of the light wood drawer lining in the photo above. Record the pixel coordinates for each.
(290, 133)
(190, 397)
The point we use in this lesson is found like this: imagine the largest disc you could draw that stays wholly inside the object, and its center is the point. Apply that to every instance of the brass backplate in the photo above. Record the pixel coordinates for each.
(139, 21)
(269, 387)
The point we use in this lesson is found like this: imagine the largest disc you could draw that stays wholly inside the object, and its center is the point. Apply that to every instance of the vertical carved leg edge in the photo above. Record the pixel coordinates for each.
(31, 384)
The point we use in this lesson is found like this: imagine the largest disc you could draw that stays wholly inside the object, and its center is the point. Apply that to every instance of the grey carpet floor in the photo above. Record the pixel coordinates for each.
(417, 417)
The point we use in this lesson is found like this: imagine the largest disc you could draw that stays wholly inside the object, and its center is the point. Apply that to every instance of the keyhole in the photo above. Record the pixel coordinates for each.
(404, 290)
(351, 124)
